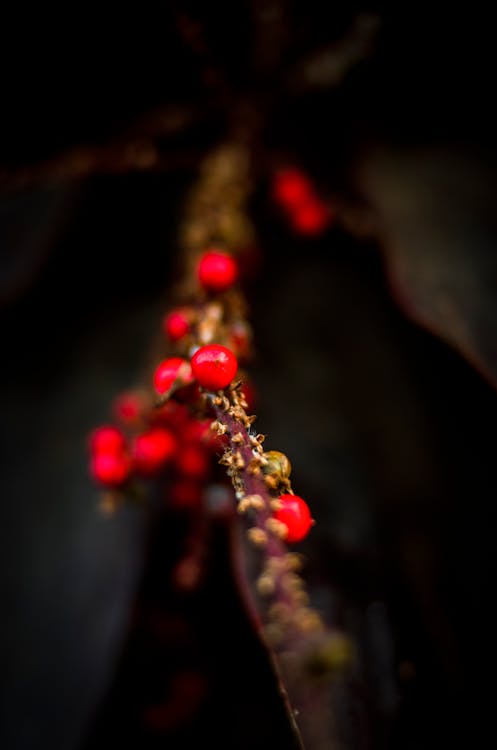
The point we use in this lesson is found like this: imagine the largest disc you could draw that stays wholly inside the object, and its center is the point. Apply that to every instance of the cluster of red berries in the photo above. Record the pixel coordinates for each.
(167, 440)
(114, 459)
(171, 437)
(110, 462)
(217, 272)
(212, 367)
(294, 193)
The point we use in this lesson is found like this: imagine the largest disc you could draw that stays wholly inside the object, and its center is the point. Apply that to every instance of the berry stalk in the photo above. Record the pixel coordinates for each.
(279, 585)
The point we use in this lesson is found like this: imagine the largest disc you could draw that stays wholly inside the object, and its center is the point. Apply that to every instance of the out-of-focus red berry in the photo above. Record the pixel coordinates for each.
(171, 414)
(170, 370)
(128, 407)
(310, 218)
(196, 431)
(110, 469)
(192, 461)
(295, 515)
(107, 439)
(218, 443)
(291, 187)
(176, 325)
(153, 450)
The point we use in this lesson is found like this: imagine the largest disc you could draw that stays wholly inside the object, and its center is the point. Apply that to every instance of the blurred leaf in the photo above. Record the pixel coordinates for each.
(30, 221)
(437, 218)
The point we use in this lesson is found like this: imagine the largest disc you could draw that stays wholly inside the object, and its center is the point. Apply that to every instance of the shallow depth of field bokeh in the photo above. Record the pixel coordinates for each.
(375, 367)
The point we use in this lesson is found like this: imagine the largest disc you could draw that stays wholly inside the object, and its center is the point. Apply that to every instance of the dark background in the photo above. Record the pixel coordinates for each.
(389, 428)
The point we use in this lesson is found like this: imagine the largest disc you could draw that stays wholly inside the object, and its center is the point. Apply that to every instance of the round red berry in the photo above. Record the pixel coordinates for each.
(192, 461)
(218, 444)
(110, 469)
(129, 407)
(196, 431)
(176, 325)
(295, 515)
(217, 271)
(171, 414)
(291, 187)
(152, 450)
(171, 370)
(214, 366)
(310, 218)
(107, 439)
(199, 431)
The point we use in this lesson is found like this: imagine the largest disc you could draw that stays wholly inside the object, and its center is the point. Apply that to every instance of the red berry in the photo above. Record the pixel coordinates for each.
(107, 440)
(295, 515)
(176, 325)
(214, 366)
(197, 431)
(171, 414)
(171, 370)
(217, 271)
(152, 450)
(218, 444)
(310, 218)
(291, 187)
(110, 469)
(192, 461)
(129, 407)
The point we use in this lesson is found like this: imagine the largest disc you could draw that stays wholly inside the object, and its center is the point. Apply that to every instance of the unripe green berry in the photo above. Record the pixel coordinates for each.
(278, 465)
